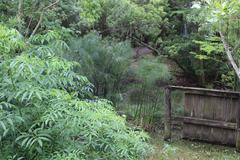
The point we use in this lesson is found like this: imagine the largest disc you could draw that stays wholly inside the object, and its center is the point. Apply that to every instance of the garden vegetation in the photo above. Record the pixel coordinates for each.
(68, 67)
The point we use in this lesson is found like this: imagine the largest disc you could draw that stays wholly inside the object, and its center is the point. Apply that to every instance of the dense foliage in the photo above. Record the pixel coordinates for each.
(49, 112)
(223, 16)
(58, 58)
(11, 42)
(105, 63)
(168, 27)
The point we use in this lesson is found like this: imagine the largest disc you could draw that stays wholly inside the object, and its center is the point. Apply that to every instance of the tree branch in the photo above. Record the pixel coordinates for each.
(41, 17)
(146, 45)
(51, 5)
(27, 29)
(37, 26)
(229, 55)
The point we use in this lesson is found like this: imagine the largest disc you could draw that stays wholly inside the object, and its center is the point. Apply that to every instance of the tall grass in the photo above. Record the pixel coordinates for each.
(147, 110)
(144, 100)
(143, 109)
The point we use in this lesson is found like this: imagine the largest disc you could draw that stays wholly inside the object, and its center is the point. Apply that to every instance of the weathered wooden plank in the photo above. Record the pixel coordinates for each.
(238, 140)
(203, 90)
(168, 115)
(238, 128)
(209, 134)
(215, 108)
(210, 123)
(213, 94)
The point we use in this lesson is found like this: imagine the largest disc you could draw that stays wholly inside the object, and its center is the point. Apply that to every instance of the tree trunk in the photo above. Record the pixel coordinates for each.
(229, 55)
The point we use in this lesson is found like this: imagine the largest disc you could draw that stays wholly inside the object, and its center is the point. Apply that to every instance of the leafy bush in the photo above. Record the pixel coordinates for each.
(11, 42)
(195, 54)
(103, 62)
(49, 112)
(125, 18)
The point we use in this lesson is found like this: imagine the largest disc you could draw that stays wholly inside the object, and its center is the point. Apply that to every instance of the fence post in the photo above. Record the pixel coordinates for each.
(238, 128)
(167, 118)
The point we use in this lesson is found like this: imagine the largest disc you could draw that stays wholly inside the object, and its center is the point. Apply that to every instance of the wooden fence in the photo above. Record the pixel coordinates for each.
(209, 115)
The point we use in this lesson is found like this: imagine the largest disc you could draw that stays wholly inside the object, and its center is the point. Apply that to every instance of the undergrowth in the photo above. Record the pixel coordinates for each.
(47, 111)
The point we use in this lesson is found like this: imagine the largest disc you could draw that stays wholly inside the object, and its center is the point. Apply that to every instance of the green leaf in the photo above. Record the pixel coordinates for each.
(3, 126)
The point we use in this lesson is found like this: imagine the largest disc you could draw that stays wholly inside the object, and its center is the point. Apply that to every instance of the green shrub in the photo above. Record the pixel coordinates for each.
(47, 111)
(11, 42)
(103, 62)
